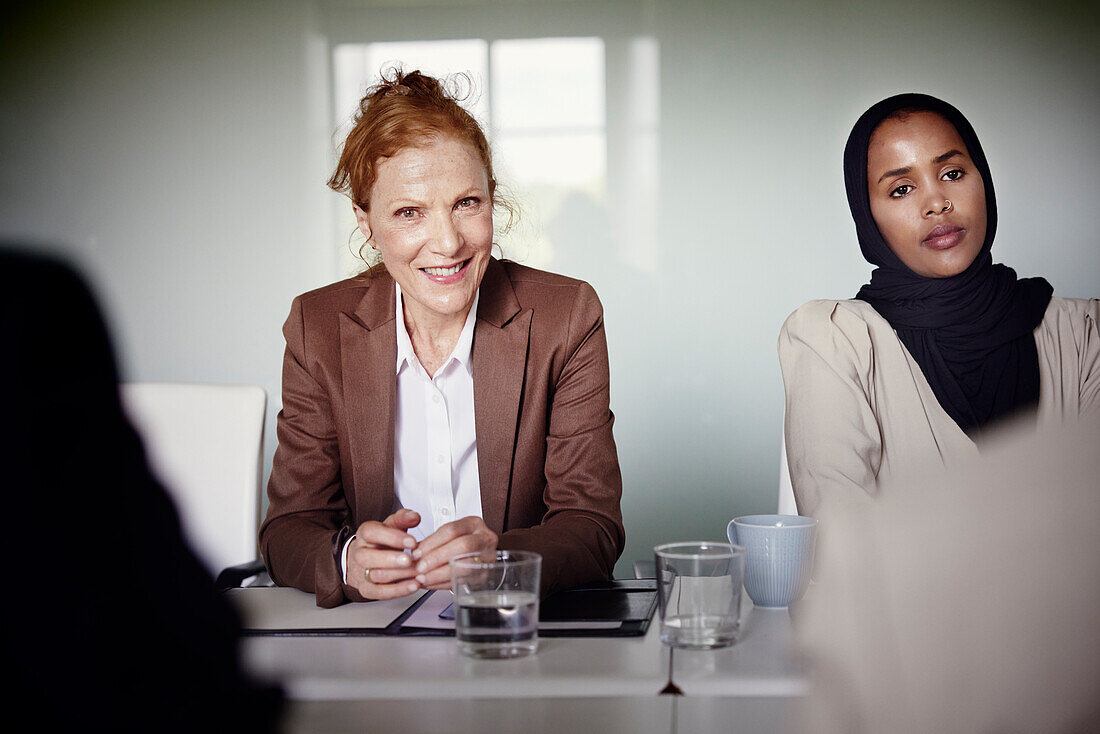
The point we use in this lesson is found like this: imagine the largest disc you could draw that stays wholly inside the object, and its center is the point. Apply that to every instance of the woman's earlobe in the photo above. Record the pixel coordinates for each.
(361, 223)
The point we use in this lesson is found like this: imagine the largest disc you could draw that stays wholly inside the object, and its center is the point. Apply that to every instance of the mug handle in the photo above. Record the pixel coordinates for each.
(731, 533)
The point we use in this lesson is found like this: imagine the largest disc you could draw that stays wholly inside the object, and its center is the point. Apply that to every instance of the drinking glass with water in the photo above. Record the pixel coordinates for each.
(496, 603)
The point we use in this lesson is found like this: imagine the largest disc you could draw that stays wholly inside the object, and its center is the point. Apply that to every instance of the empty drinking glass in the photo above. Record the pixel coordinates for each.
(699, 593)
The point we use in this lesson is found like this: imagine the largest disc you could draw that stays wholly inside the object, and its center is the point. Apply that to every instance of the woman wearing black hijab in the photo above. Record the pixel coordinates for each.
(941, 343)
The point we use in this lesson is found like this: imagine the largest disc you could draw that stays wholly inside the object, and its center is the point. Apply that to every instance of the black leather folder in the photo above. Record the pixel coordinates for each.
(631, 602)
(620, 608)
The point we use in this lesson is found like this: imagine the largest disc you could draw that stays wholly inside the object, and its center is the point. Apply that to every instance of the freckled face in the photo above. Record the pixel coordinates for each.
(431, 216)
(926, 195)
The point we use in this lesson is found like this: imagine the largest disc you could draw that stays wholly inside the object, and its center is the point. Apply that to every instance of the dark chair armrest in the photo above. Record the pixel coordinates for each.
(231, 578)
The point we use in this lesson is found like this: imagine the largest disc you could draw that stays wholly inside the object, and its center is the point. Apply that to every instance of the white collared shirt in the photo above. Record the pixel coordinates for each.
(435, 444)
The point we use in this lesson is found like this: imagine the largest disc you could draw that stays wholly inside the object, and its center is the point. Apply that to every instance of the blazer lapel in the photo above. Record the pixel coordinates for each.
(368, 358)
(500, 358)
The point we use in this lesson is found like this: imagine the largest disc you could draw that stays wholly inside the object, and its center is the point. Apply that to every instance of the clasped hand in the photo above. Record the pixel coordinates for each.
(380, 568)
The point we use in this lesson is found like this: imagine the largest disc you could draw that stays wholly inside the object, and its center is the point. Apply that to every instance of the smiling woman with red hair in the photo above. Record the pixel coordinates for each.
(443, 401)
(941, 343)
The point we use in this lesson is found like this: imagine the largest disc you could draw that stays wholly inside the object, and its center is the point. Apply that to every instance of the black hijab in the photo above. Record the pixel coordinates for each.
(970, 333)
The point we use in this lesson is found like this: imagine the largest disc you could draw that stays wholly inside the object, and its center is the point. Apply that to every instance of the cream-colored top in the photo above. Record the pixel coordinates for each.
(964, 600)
(860, 412)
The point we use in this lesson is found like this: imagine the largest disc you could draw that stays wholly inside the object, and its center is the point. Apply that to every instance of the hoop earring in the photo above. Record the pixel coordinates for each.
(947, 205)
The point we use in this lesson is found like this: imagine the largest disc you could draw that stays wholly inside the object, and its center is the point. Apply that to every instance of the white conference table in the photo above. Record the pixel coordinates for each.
(572, 684)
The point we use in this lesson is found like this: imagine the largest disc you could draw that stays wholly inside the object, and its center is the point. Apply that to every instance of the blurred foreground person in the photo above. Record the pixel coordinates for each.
(111, 623)
(965, 601)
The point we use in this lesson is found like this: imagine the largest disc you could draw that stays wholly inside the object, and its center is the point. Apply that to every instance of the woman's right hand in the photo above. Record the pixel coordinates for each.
(378, 565)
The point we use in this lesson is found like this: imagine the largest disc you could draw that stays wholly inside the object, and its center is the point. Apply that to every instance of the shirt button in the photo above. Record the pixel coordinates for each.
(439, 459)
(444, 512)
(435, 399)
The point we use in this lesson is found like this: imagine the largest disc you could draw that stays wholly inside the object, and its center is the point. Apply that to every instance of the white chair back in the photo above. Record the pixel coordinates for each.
(205, 444)
(787, 504)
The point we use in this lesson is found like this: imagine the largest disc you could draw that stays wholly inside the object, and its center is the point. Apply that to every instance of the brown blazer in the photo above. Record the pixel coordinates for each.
(550, 479)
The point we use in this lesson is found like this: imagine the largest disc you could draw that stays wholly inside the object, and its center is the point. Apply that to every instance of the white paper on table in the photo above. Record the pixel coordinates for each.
(427, 616)
(283, 608)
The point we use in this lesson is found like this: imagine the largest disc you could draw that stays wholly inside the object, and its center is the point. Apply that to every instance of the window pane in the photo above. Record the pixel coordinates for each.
(548, 83)
(572, 160)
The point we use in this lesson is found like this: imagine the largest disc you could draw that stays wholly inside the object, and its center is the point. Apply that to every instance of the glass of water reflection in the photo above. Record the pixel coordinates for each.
(496, 603)
(699, 593)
